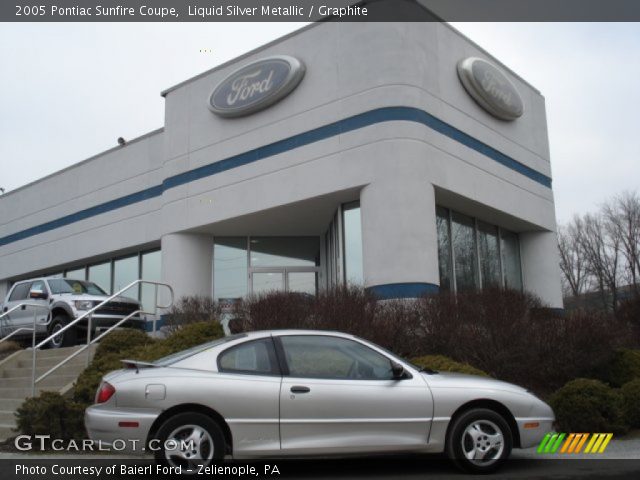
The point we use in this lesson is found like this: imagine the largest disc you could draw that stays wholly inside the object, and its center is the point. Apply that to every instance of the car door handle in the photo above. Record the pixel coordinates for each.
(23, 307)
(300, 389)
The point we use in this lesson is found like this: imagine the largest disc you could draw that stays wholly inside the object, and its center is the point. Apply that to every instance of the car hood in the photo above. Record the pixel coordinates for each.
(462, 380)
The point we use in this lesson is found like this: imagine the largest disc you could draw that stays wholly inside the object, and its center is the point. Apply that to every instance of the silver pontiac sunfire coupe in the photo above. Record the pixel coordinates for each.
(288, 393)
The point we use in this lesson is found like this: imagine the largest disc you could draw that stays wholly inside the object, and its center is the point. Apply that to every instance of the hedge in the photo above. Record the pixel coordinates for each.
(441, 363)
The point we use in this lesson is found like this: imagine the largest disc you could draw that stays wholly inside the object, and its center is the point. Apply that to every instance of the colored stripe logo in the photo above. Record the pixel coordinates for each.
(574, 443)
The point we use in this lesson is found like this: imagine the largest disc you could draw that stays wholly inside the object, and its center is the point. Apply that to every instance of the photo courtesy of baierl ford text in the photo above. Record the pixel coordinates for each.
(326, 239)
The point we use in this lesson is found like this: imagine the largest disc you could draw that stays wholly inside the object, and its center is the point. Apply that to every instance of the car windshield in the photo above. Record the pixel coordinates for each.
(78, 287)
(176, 357)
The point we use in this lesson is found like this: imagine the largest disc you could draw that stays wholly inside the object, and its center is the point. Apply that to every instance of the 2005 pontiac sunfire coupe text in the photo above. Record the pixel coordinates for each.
(301, 393)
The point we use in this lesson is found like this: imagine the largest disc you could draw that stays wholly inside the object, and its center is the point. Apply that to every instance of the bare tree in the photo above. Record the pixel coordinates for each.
(601, 249)
(622, 216)
(572, 261)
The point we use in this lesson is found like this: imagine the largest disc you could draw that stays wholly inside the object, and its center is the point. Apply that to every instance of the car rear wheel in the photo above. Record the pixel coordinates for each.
(67, 338)
(189, 440)
(479, 441)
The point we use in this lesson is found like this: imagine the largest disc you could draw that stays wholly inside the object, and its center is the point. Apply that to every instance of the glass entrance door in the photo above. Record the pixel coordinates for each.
(292, 279)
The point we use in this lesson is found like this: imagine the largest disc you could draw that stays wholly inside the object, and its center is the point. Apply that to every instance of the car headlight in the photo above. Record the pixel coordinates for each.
(83, 304)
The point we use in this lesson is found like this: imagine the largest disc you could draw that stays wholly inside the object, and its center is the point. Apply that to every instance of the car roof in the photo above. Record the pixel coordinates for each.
(289, 331)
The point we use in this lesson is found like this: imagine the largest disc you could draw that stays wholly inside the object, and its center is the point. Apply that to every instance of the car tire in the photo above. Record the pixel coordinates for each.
(68, 338)
(209, 444)
(479, 440)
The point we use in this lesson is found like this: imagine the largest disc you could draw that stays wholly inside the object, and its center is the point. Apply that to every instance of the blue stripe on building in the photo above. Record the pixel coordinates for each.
(356, 122)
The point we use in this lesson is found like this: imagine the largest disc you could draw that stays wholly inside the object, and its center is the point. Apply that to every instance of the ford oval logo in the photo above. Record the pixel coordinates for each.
(490, 88)
(256, 86)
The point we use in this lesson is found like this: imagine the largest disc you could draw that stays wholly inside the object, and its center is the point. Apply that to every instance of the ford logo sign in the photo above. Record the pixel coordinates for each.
(256, 86)
(491, 88)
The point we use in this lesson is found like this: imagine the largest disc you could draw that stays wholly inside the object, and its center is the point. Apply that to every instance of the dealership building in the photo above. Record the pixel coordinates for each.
(398, 156)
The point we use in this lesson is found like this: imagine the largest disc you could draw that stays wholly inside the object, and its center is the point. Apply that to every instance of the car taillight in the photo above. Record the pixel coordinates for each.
(105, 392)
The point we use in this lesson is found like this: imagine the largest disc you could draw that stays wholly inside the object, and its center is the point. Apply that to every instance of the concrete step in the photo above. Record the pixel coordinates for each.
(6, 431)
(11, 404)
(67, 369)
(56, 352)
(53, 380)
(79, 361)
(20, 393)
(7, 417)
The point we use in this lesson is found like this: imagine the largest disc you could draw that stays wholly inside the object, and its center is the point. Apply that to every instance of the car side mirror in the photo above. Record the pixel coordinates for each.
(38, 295)
(397, 371)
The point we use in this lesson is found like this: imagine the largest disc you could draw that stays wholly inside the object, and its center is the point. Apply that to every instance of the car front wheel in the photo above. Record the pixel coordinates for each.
(189, 440)
(479, 441)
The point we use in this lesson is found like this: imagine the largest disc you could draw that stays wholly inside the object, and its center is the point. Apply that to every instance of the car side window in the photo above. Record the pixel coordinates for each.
(20, 292)
(256, 357)
(317, 356)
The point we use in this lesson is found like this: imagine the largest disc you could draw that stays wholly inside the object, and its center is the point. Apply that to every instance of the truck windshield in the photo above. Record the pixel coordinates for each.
(78, 287)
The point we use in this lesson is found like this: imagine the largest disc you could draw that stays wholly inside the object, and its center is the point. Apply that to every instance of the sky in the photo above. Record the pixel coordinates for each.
(68, 91)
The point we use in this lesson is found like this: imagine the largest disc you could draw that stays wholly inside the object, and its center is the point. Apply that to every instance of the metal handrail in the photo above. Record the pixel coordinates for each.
(22, 329)
(89, 314)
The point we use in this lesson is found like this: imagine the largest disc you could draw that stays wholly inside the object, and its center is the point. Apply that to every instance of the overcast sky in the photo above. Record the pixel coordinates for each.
(68, 91)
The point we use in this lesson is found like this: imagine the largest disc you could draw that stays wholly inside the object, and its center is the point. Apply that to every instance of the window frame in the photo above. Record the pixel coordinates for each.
(284, 364)
(276, 370)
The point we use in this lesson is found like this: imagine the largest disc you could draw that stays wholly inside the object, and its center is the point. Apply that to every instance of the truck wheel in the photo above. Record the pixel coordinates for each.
(65, 339)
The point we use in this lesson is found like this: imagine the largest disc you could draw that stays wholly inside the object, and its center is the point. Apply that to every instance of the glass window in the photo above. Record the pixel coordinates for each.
(511, 260)
(125, 271)
(263, 282)
(444, 248)
(464, 252)
(256, 357)
(489, 255)
(101, 275)
(77, 274)
(332, 357)
(68, 285)
(352, 228)
(20, 292)
(37, 286)
(151, 270)
(302, 282)
(285, 251)
(230, 275)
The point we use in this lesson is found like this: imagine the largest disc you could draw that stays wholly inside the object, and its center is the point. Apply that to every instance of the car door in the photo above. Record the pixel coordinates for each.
(38, 295)
(338, 396)
(13, 320)
(249, 396)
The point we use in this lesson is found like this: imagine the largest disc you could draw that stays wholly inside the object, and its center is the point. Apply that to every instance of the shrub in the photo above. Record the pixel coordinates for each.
(631, 402)
(621, 367)
(445, 364)
(119, 340)
(506, 333)
(192, 309)
(51, 414)
(9, 347)
(585, 405)
(190, 335)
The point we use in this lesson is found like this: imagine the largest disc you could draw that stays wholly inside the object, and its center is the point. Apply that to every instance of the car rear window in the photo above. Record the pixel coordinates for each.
(176, 357)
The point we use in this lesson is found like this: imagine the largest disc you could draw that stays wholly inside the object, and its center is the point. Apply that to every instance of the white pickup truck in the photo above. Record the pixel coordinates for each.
(65, 299)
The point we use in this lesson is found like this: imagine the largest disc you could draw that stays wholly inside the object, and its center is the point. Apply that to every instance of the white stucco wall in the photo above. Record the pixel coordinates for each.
(398, 169)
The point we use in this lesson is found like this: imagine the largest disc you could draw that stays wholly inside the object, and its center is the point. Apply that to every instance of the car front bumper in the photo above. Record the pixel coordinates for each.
(533, 430)
(114, 429)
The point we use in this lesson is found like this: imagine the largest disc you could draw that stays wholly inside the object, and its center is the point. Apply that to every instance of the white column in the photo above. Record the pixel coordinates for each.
(541, 266)
(187, 263)
(400, 246)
